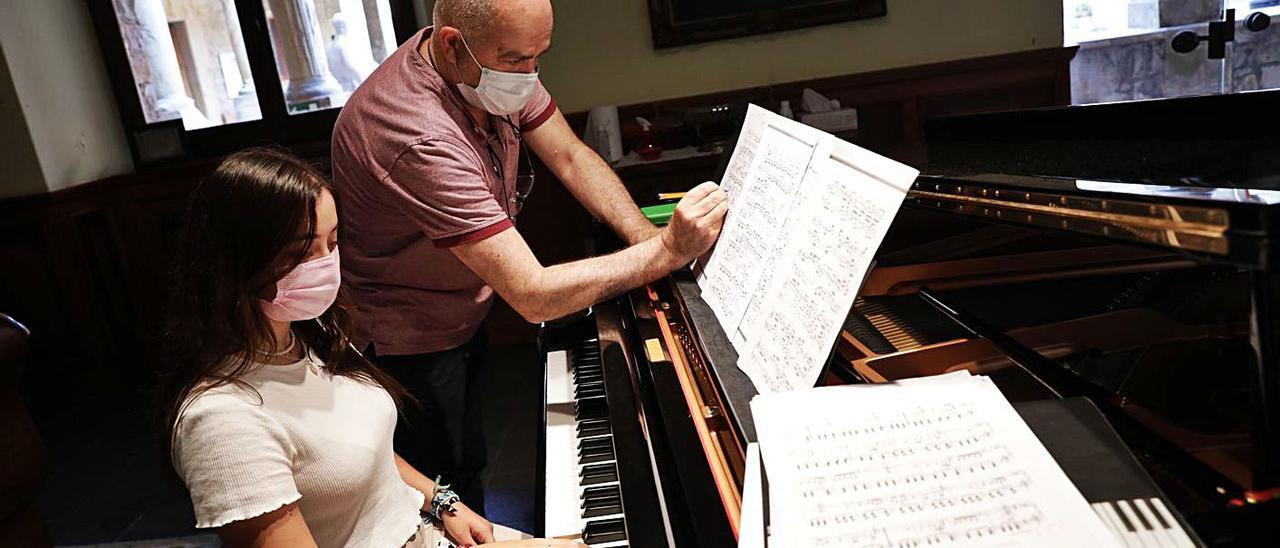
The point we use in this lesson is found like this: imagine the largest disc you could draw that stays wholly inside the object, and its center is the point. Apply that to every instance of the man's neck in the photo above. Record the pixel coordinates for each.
(431, 51)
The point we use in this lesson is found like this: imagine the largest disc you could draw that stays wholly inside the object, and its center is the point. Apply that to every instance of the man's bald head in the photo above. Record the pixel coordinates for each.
(501, 35)
(479, 18)
(472, 17)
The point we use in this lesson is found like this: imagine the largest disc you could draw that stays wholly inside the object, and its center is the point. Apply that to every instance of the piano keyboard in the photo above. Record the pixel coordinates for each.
(582, 497)
(1143, 523)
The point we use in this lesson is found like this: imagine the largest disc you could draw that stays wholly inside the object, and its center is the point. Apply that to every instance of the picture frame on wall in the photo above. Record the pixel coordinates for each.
(683, 22)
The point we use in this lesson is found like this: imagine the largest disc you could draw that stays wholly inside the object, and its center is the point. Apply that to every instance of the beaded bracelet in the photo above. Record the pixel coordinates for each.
(442, 499)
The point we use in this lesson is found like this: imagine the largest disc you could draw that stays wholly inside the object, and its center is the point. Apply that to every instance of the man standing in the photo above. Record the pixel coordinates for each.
(426, 160)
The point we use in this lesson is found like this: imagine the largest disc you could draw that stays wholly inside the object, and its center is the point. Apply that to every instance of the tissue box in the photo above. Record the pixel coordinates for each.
(835, 121)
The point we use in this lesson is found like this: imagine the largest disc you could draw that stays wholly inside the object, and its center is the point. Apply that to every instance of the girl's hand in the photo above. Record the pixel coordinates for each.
(466, 527)
(540, 543)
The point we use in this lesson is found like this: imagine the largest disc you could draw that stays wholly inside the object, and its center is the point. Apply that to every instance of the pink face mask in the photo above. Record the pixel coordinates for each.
(307, 292)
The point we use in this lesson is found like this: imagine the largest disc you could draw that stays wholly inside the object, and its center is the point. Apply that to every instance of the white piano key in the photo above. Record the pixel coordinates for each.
(559, 378)
(561, 494)
(1161, 533)
(1180, 537)
(1100, 509)
(1148, 539)
(1130, 538)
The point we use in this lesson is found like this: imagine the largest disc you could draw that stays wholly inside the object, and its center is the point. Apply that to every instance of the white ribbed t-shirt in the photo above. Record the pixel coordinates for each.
(321, 440)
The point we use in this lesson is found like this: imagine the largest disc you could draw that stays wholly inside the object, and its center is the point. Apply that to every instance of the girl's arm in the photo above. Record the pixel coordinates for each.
(466, 527)
(281, 528)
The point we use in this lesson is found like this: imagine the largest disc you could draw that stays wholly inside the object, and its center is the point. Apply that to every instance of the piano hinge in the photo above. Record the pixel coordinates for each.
(653, 351)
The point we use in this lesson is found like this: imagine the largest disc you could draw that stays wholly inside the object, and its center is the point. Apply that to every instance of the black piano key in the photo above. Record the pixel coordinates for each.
(594, 443)
(593, 457)
(596, 391)
(604, 530)
(588, 385)
(591, 408)
(598, 473)
(587, 365)
(1124, 520)
(601, 502)
(597, 449)
(1142, 520)
(588, 376)
(593, 423)
(590, 429)
(598, 492)
(1162, 523)
(603, 510)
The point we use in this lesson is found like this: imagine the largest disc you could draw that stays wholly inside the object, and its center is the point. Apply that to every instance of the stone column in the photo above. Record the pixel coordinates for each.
(154, 61)
(382, 36)
(298, 36)
(237, 44)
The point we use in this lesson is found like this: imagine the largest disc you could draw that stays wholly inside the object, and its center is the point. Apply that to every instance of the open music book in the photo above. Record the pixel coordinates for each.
(942, 461)
(807, 213)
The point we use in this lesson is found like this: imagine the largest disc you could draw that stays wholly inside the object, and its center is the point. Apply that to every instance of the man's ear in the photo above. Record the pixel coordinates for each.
(450, 43)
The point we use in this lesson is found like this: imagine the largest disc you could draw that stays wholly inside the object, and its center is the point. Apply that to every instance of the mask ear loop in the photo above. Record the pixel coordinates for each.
(494, 157)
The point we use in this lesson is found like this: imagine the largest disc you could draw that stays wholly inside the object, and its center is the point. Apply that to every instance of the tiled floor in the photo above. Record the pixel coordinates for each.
(108, 481)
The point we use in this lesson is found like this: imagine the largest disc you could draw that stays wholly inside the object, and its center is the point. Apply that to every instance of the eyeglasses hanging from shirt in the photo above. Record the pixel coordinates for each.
(524, 168)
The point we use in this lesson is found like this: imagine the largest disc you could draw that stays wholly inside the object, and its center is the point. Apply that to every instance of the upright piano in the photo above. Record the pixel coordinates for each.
(1119, 252)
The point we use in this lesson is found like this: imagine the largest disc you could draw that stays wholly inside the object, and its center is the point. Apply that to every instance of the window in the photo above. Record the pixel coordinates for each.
(203, 77)
(188, 61)
(325, 49)
(1126, 53)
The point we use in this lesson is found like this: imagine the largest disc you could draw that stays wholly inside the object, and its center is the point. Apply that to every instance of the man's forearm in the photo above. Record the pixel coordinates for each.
(566, 288)
(598, 188)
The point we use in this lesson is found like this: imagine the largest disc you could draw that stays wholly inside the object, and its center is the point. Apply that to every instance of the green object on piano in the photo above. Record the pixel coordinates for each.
(659, 214)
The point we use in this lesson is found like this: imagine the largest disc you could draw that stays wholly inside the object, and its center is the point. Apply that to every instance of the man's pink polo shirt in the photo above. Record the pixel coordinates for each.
(414, 177)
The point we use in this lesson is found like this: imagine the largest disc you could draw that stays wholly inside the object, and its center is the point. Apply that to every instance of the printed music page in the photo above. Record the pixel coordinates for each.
(925, 464)
(750, 235)
(744, 153)
(808, 285)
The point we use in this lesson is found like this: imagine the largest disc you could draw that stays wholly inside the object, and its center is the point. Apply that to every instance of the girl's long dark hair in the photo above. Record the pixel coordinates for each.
(241, 236)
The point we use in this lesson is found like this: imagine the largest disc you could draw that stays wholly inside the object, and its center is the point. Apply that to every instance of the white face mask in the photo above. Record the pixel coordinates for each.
(499, 93)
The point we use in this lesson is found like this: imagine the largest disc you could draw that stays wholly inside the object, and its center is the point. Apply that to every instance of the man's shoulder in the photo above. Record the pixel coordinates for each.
(394, 104)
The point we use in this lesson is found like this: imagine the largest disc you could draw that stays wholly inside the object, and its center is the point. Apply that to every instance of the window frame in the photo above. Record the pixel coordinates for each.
(276, 126)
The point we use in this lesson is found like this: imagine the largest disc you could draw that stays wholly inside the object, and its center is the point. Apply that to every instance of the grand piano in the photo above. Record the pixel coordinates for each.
(1119, 253)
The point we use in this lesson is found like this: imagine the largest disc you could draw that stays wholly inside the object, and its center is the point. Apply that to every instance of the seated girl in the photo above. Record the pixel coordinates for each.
(279, 428)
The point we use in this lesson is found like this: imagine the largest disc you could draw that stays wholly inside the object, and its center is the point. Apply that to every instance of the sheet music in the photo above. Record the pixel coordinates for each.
(795, 313)
(931, 464)
(744, 152)
(749, 238)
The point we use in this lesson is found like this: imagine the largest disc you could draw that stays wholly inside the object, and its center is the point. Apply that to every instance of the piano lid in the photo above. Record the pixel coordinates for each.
(1199, 175)
(1219, 141)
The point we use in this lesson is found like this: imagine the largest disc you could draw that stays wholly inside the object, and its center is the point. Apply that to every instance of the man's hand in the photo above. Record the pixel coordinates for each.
(696, 223)
(466, 527)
